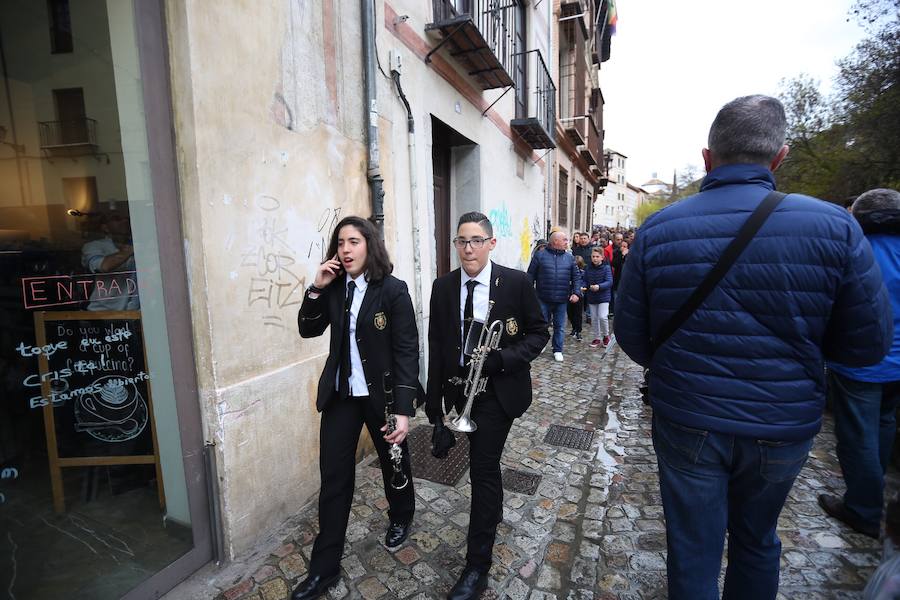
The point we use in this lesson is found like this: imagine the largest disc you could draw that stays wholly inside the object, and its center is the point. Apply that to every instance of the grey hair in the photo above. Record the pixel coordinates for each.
(877, 199)
(749, 129)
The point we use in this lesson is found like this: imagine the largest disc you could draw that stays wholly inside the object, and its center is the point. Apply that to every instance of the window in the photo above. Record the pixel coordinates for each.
(91, 425)
(60, 26)
(563, 199)
(577, 220)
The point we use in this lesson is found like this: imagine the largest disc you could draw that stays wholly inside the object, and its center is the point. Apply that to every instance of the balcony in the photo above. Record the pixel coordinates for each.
(535, 120)
(480, 35)
(66, 138)
(591, 151)
(583, 133)
(576, 10)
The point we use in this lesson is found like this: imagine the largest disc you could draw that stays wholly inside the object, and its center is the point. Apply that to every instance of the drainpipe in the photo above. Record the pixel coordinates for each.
(413, 190)
(373, 172)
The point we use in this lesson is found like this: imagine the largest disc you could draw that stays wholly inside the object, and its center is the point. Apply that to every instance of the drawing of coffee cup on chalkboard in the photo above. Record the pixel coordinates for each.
(113, 411)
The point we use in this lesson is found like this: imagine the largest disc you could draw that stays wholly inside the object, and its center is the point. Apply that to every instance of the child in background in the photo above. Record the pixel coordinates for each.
(598, 279)
(576, 311)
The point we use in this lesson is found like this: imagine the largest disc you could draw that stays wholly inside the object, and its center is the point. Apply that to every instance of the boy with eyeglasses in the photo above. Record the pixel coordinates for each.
(458, 300)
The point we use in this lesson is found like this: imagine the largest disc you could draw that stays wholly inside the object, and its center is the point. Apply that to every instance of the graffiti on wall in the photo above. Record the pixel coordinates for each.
(274, 280)
(500, 219)
(328, 220)
(525, 239)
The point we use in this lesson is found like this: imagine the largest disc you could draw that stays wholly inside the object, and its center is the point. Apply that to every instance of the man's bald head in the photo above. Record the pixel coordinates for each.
(559, 239)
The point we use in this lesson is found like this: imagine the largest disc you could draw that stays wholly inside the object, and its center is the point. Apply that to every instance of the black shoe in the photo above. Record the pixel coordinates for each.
(396, 534)
(834, 506)
(314, 586)
(469, 586)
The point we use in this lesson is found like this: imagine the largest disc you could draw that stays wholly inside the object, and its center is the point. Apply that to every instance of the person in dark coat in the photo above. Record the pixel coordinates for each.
(598, 285)
(575, 310)
(373, 332)
(459, 300)
(556, 280)
(865, 399)
(738, 390)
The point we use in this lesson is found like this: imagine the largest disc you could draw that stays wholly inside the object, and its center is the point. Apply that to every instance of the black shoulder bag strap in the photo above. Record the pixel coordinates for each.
(715, 275)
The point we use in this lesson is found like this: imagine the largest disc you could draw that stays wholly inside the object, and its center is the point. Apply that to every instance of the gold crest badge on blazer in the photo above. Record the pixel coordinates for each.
(512, 326)
(380, 320)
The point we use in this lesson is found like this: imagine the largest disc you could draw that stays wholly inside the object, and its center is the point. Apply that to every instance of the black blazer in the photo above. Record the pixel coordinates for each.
(524, 336)
(386, 335)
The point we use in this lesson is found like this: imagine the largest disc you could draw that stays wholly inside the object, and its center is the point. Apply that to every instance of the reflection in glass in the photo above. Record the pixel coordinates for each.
(93, 498)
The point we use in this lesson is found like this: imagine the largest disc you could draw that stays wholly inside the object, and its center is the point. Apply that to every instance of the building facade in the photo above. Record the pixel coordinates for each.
(171, 175)
(615, 206)
(581, 46)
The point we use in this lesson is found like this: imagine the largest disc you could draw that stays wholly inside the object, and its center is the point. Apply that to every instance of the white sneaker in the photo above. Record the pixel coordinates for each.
(557, 356)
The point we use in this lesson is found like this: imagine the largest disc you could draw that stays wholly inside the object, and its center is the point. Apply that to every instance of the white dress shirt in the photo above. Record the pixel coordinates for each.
(358, 385)
(480, 297)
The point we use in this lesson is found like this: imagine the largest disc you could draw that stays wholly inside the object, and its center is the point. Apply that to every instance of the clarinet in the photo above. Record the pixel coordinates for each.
(399, 480)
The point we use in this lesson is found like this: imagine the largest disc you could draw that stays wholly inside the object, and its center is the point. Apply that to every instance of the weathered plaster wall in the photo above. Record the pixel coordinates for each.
(269, 134)
(269, 117)
(511, 186)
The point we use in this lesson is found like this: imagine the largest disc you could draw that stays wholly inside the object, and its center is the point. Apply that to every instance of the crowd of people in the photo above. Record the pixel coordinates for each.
(578, 281)
(741, 344)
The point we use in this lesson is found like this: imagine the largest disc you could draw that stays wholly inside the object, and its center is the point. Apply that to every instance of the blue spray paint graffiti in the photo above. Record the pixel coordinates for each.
(500, 220)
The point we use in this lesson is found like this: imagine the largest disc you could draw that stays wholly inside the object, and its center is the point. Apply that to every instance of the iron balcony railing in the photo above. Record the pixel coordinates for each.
(583, 132)
(540, 109)
(495, 20)
(61, 134)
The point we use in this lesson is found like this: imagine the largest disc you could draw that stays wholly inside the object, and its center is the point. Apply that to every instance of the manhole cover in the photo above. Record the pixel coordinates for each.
(522, 482)
(446, 471)
(570, 437)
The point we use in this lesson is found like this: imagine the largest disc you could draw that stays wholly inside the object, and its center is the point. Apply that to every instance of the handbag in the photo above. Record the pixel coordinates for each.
(734, 249)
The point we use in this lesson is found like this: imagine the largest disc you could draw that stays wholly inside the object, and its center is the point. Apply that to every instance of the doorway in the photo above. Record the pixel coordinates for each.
(71, 114)
(456, 181)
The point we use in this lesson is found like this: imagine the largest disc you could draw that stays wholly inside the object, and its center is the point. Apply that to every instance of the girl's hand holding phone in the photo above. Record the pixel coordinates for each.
(327, 272)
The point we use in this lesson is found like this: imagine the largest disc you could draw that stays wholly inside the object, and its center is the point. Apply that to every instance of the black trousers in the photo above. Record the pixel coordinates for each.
(485, 448)
(575, 313)
(338, 437)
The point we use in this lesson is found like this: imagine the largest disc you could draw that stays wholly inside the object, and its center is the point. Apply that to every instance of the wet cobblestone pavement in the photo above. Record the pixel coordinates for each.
(594, 528)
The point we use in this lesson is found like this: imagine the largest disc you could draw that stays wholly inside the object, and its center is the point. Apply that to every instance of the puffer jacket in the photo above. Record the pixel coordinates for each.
(555, 275)
(882, 229)
(750, 360)
(598, 275)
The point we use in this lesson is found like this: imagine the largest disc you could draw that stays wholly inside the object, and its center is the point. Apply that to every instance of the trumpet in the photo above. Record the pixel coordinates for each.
(476, 382)
(399, 480)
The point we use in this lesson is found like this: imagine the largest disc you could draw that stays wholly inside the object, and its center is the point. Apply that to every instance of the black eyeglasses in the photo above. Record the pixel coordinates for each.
(476, 243)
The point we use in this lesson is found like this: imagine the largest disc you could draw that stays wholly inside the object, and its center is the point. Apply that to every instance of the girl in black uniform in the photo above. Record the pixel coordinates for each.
(374, 348)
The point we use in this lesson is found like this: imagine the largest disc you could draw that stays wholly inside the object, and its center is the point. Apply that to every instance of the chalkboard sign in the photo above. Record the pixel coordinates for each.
(94, 391)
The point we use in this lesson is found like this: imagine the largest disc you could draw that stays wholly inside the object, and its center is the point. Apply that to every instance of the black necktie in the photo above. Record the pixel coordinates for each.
(344, 386)
(468, 314)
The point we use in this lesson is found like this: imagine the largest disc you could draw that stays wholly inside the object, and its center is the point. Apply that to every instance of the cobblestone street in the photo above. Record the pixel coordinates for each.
(593, 529)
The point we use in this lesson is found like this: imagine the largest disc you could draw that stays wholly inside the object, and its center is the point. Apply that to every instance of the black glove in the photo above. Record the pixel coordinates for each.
(442, 439)
(493, 363)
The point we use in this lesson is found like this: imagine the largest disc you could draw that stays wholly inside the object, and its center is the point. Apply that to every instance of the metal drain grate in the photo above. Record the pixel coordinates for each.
(446, 471)
(522, 482)
(569, 437)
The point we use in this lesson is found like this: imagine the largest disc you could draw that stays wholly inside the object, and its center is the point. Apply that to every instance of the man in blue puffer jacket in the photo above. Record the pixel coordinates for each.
(865, 399)
(556, 280)
(738, 391)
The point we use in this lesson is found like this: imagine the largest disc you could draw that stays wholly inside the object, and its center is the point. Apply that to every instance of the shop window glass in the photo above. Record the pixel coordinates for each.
(93, 496)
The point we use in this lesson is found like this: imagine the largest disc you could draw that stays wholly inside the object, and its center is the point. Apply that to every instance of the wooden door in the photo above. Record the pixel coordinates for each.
(71, 115)
(440, 156)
